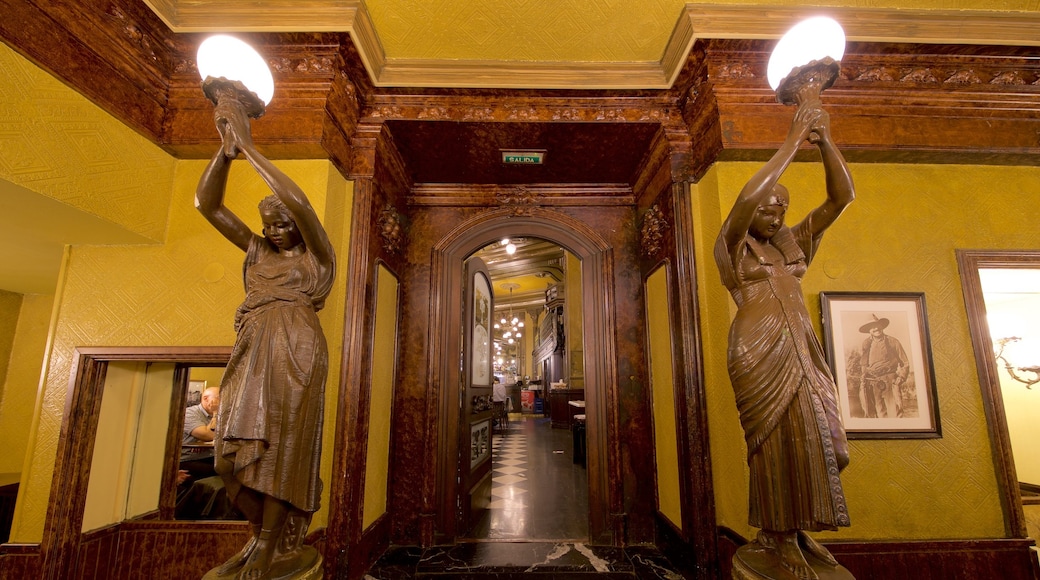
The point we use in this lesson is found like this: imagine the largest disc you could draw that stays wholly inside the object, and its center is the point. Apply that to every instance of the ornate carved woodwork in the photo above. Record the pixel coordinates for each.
(942, 103)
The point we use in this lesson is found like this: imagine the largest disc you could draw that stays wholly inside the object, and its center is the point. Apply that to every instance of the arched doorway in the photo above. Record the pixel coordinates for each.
(600, 371)
(538, 483)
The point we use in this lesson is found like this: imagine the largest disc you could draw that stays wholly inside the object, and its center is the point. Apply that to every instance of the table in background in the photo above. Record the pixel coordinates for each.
(560, 410)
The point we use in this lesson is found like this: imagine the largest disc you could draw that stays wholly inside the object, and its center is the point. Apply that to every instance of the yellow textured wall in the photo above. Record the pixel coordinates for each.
(10, 306)
(58, 144)
(211, 375)
(898, 236)
(575, 374)
(23, 378)
(384, 350)
(662, 381)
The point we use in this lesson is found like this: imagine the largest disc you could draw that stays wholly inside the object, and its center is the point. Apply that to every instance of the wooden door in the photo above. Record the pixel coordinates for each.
(476, 406)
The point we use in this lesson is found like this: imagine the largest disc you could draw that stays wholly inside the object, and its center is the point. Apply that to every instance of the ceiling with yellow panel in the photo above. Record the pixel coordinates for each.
(538, 30)
(584, 43)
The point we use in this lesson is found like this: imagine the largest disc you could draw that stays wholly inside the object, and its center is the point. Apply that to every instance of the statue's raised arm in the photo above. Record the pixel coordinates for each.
(785, 394)
(269, 424)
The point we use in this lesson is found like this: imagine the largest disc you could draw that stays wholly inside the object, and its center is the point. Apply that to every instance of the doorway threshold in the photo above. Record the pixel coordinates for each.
(508, 560)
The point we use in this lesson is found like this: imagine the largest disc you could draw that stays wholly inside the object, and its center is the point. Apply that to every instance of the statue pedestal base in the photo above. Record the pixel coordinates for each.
(306, 565)
(754, 562)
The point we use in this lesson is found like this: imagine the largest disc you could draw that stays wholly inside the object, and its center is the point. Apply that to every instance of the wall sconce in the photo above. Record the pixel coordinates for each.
(231, 69)
(806, 60)
(1013, 370)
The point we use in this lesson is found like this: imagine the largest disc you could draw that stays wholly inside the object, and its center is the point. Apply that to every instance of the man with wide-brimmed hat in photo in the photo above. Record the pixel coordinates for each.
(885, 368)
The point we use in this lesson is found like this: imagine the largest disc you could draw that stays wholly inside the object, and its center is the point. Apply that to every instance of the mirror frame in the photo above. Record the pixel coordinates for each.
(62, 533)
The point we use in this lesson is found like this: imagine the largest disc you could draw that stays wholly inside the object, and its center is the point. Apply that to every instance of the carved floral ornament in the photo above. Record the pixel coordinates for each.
(390, 228)
(652, 232)
(520, 199)
(857, 70)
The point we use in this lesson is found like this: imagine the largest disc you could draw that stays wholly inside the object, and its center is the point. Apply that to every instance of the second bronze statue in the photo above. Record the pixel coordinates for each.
(269, 424)
(785, 393)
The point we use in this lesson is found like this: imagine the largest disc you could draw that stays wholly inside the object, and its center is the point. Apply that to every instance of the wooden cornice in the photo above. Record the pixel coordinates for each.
(894, 101)
(696, 22)
(920, 103)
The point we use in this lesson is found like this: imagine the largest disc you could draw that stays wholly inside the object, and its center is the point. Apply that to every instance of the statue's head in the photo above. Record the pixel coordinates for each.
(770, 214)
(279, 226)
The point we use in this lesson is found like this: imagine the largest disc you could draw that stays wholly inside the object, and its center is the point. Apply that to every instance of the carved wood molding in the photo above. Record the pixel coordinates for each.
(515, 106)
(696, 22)
(542, 195)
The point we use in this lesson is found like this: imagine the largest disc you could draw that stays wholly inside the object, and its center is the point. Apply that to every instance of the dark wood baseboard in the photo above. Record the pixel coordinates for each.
(143, 549)
(19, 561)
(1007, 559)
(683, 556)
(374, 541)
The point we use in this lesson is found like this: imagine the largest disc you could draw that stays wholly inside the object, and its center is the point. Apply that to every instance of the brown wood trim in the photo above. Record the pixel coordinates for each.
(969, 262)
(672, 543)
(374, 541)
(19, 561)
(346, 496)
(698, 490)
(61, 534)
(967, 559)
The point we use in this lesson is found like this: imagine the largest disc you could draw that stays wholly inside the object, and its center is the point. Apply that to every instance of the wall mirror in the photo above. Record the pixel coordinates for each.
(142, 466)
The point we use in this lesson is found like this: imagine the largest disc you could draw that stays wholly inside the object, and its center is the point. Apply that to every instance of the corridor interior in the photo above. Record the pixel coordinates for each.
(537, 523)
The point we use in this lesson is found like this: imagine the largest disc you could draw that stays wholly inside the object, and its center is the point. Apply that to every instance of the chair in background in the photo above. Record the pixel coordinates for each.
(501, 414)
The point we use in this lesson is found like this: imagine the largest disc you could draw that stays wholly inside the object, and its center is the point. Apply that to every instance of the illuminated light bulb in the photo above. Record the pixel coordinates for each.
(511, 249)
(810, 40)
(230, 58)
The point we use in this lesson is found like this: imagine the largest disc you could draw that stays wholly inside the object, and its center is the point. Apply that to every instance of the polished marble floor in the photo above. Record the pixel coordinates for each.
(537, 491)
(537, 524)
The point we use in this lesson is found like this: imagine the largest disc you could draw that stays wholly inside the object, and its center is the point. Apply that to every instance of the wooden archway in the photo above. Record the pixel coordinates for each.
(597, 265)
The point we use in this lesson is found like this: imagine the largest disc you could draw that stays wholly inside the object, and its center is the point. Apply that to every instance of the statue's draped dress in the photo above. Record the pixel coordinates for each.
(272, 394)
(784, 389)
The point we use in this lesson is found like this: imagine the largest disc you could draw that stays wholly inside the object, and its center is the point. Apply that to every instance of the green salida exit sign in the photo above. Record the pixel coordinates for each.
(523, 157)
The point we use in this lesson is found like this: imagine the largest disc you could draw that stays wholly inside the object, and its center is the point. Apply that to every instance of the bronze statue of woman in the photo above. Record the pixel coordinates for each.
(785, 393)
(269, 425)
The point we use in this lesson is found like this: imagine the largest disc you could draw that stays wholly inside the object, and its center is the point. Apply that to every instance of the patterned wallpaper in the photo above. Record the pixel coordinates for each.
(58, 144)
(23, 379)
(899, 236)
(10, 306)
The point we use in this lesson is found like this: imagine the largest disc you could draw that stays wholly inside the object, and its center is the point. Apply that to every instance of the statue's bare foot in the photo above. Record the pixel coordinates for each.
(792, 559)
(258, 564)
(816, 550)
(239, 559)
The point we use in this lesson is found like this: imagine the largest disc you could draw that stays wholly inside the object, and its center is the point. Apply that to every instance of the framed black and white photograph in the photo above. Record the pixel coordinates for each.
(879, 350)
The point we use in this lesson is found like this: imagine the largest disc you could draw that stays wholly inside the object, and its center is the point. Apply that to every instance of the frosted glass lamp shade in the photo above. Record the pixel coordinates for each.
(813, 39)
(230, 58)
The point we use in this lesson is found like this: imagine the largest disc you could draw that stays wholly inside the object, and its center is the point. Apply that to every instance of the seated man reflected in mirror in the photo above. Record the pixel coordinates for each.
(200, 491)
(200, 425)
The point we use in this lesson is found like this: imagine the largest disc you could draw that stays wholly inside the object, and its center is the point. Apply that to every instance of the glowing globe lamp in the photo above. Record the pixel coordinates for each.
(231, 68)
(807, 56)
